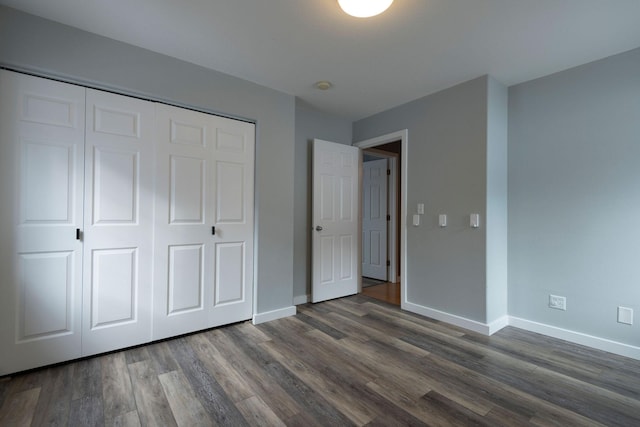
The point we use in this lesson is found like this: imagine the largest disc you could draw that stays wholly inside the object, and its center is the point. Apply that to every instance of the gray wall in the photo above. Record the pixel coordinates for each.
(574, 197)
(447, 170)
(310, 124)
(45, 47)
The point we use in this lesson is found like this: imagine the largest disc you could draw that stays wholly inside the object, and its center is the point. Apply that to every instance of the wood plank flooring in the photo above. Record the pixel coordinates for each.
(387, 291)
(353, 361)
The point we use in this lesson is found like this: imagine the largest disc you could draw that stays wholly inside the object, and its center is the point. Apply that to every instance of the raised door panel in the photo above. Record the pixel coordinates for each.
(114, 287)
(47, 183)
(41, 184)
(230, 278)
(185, 282)
(183, 267)
(118, 229)
(115, 186)
(45, 294)
(187, 177)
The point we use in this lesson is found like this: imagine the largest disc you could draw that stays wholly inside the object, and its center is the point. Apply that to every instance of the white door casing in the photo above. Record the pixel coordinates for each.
(203, 276)
(118, 222)
(41, 175)
(374, 219)
(335, 240)
(403, 137)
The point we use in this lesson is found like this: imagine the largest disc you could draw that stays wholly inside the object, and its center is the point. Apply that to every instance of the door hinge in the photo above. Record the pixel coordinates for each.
(388, 217)
(388, 171)
(388, 263)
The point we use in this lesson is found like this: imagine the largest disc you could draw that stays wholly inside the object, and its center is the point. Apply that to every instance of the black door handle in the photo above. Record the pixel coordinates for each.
(77, 234)
(213, 230)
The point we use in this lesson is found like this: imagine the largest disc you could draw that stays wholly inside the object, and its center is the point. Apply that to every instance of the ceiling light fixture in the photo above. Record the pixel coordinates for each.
(323, 85)
(364, 8)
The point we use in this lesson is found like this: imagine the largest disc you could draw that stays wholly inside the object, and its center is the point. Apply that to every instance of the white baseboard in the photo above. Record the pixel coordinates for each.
(301, 299)
(472, 325)
(274, 315)
(577, 337)
(528, 325)
(498, 324)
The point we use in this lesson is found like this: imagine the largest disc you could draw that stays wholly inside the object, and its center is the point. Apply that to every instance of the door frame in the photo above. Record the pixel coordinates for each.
(403, 137)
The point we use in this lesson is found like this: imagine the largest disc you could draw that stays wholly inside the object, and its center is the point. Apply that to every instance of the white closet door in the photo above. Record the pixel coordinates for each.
(203, 277)
(234, 148)
(183, 235)
(118, 226)
(41, 185)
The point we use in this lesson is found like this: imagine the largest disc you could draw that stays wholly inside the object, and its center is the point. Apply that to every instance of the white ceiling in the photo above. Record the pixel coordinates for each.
(415, 48)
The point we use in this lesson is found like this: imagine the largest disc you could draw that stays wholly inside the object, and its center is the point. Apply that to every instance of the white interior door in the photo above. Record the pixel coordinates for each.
(233, 217)
(203, 275)
(183, 221)
(374, 219)
(41, 185)
(335, 220)
(118, 230)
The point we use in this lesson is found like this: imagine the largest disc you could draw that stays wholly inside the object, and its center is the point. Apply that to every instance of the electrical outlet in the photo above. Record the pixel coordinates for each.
(557, 302)
(625, 315)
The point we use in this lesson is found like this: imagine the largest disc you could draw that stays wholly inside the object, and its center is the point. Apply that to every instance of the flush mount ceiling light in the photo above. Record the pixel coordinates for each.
(323, 85)
(364, 8)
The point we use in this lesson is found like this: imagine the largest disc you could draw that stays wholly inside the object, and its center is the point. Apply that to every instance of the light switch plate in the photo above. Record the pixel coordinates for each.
(442, 220)
(474, 220)
(416, 220)
(421, 208)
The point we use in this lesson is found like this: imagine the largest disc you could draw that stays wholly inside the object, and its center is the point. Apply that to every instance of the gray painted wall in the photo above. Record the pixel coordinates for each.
(46, 47)
(447, 170)
(310, 124)
(574, 197)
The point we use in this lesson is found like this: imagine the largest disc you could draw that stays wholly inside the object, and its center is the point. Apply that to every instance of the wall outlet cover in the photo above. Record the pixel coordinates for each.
(557, 302)
(625, 315)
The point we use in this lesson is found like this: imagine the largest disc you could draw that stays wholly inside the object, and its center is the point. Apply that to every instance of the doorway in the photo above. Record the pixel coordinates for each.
(389, 287)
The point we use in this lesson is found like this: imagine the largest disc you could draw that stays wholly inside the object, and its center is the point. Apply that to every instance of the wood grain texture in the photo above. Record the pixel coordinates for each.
(130, 419)
(118, 398)
(18, 409)
(186, 408)
(352, 361)
(86, 411)
(153, 406)
(211, 395)
(257, 413)
(55, 397)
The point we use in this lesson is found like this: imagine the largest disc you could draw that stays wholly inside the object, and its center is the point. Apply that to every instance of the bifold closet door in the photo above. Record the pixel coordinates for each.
(118, 225)
(204, 221)
(41, 185)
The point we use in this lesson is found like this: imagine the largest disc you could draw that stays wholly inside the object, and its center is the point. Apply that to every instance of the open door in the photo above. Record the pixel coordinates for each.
(374, 219)
(335, 221)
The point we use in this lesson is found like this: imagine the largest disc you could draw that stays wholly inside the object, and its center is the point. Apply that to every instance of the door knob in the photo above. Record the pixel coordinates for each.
(319, 228)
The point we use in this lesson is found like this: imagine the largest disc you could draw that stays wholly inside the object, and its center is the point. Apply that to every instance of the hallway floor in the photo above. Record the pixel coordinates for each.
(387, 292)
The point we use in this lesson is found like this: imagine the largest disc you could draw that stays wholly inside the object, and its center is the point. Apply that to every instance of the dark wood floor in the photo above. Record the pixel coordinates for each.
(354, 361)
